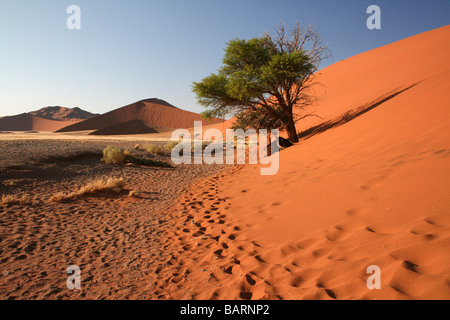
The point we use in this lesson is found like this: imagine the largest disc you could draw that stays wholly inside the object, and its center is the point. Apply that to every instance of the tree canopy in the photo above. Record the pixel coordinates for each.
(265, 76)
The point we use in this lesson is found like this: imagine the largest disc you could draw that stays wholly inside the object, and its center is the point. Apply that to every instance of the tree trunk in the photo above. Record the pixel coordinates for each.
(292, 131)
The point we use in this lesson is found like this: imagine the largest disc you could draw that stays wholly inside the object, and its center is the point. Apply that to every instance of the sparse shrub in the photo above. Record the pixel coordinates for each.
(171, 145)
(113, 155)
(117, 155)
(154, 148)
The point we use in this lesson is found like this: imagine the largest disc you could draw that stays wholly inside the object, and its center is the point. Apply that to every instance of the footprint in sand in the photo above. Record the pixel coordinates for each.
(338, 233)
(383, 229)
(250, 280)
(439, 220)
(245, 295)
(329, 292)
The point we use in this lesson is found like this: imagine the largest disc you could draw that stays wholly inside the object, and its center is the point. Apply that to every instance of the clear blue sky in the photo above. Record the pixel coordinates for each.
(128, 50)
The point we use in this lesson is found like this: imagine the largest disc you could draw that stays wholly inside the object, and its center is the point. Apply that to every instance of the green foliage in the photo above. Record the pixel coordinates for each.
(263, 75)
(251, 69)
(211, 91)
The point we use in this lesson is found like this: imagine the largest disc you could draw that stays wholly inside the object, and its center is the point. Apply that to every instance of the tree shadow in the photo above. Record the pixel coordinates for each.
(352, 114)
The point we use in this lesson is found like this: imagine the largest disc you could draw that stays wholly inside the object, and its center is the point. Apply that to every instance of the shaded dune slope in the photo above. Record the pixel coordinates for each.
(28, 122)
(44, 119)
(154, 112)
(130, 127)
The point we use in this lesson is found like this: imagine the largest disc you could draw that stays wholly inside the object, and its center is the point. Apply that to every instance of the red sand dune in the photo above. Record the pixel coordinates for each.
(154, 112)
(63, 113)
(363, 78)
(28, 122)
(368, 188)
(44, 119)
(130, 127)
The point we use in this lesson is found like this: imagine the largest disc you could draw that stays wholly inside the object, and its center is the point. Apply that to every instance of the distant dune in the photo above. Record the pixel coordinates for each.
(366, 188)
(28, 122)
(368, 184)
(155, 114)
(45, 119)
(63, 114)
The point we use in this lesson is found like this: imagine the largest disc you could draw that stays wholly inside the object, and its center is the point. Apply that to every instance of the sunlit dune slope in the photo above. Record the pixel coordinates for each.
(366, 77)
(370, 186)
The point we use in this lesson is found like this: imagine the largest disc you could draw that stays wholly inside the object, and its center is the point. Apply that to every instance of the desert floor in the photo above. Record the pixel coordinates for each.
(223, 231)
(118, 241)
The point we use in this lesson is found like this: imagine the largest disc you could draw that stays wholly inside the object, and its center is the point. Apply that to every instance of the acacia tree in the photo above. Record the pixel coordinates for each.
(268, 75)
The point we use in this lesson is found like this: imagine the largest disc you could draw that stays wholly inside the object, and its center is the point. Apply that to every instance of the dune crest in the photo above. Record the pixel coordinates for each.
(63, 113)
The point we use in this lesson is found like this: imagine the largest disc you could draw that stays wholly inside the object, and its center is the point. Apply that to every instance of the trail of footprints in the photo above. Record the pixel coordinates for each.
(211, 252)
(207, 237)
(204, 236)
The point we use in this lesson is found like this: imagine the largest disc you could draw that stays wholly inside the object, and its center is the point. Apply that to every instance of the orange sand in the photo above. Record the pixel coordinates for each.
(368, 184)
(373, 189)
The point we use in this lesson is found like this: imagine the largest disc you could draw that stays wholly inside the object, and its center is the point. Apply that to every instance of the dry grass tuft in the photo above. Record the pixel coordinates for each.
(134, 194)
(113, 155)
(25, 199)
(60, 196)
(110, 185)
(8, 199)
(171, 145)
(154, 148)
(9, 183)
(12, 199)
(117, 155)
(100, 185)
